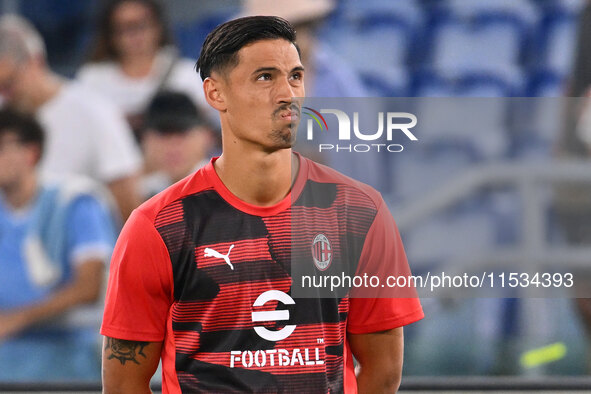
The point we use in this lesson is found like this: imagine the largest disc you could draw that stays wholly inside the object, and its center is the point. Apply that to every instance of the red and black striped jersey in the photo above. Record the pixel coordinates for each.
(212, 277)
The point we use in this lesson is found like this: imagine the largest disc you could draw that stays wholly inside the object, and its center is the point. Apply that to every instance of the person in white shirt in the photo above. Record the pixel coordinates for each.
(86, 135)
(133, 58)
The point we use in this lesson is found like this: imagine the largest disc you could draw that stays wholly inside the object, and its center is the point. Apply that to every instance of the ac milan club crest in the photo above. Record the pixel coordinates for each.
(321, 252)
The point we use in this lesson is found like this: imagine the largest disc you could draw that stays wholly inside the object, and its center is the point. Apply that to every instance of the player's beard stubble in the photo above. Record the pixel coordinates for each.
(284, 136)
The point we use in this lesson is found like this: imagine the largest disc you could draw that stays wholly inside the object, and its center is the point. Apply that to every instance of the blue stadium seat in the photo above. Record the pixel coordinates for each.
(488, 45)
(557, 37)
(378, 53)
(560, 6)
(66, 27)
(546, 83)
(521, 12)
(382, 46)
(190, 36)
(428, 83)
(380, 30)
(489, 84)
(406, 11)
(386, 82)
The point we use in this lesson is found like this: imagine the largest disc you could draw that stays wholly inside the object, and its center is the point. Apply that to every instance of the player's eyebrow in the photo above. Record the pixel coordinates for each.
(261, 69)
(275, 69)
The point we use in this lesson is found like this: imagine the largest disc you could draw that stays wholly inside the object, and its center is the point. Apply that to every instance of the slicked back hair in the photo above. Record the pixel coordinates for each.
(220, 49)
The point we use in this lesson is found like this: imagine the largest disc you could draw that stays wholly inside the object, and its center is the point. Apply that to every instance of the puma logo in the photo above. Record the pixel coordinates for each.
(209, 252)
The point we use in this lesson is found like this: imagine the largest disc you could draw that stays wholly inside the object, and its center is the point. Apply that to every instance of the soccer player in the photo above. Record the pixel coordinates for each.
(200, 276)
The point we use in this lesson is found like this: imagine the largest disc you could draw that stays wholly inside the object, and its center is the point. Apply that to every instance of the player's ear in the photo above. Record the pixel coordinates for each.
(213, 89)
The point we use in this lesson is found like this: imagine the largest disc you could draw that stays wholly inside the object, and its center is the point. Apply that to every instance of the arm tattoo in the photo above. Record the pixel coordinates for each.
(124, 350)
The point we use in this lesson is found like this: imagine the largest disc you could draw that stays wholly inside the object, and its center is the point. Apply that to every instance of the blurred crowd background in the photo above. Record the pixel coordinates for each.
(113, 86)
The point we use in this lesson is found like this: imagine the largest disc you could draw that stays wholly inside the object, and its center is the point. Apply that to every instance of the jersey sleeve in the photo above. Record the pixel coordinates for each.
(383, 308)
(91, 231)
(139, 293)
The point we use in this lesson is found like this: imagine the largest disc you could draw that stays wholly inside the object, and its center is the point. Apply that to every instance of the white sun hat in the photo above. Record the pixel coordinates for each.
(299, 11)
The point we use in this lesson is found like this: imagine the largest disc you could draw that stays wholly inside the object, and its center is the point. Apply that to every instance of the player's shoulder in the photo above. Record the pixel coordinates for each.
(170, 199)
(321, 173)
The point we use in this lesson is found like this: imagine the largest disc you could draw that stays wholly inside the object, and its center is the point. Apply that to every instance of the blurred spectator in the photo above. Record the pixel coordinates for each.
(86, 135)
(572, 144)
(176, 141)
(55, 239)
(573, 201)
(133, 58)
(581, 77)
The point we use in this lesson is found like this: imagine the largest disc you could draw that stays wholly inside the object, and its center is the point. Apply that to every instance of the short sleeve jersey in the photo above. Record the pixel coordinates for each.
(88, 236)
(210, 276)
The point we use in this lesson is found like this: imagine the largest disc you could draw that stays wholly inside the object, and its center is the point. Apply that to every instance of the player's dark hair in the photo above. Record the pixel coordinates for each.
(220, 49)
(26, 128)
(104, 46)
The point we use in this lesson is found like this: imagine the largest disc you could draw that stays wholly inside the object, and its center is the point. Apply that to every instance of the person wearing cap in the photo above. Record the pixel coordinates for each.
(175, 142)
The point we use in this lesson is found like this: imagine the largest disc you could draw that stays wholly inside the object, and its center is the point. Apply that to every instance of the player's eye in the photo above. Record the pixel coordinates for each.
(264, 77)
(297, 76)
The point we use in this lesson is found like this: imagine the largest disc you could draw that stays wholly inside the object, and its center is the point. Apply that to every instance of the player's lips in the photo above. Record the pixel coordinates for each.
(290, 114)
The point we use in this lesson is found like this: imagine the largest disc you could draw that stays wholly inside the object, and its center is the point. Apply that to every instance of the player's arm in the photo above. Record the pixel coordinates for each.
(379, 356)
(139, 296)
(84, 288)
(128, 366)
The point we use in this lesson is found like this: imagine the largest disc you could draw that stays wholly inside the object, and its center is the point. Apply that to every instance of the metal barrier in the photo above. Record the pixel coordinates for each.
(527, 178)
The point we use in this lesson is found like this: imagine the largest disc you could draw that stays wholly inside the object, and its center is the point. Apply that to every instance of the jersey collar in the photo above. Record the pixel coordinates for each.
(257, 210)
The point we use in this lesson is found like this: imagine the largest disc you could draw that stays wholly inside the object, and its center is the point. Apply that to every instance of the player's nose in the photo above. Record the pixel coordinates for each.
(285, 91)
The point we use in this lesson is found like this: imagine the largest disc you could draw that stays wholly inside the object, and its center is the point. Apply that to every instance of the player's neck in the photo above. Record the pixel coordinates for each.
(262, 179)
